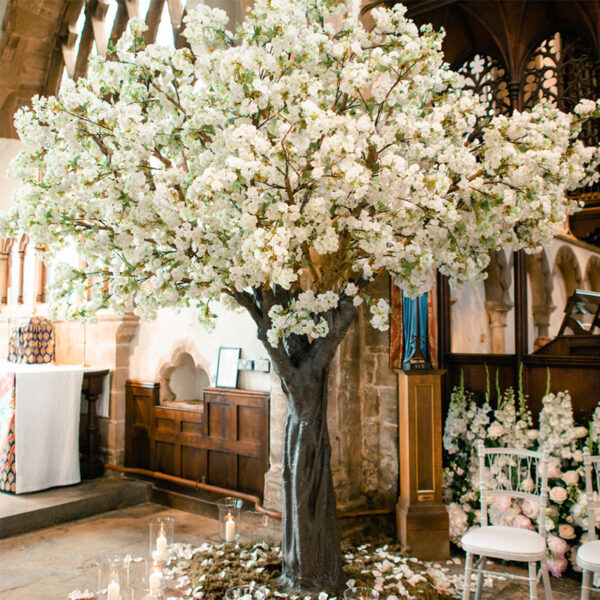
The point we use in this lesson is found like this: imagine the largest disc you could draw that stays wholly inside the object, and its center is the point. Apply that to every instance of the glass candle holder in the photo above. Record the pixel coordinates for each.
(141, 592)
(113, 578)
(245, 591)
(161, 538)
(155, 580)
(230, 512)
(145, 579)
(361, 593)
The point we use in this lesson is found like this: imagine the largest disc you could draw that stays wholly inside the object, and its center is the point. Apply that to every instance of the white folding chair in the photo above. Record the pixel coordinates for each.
(588, 554)
(518, 474)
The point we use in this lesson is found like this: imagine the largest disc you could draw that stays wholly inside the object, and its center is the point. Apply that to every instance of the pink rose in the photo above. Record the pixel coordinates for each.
(558, 494)
(557, 566)
(530, 508)
(522, 522)
(553, 469)
(557, 546)
(502, 502)
(566, 532)
(571, 477)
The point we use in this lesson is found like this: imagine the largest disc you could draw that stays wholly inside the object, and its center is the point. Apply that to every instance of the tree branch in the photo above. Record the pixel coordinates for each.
(339, 320)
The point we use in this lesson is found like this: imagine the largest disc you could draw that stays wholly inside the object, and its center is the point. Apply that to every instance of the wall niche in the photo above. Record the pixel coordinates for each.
(182, 382)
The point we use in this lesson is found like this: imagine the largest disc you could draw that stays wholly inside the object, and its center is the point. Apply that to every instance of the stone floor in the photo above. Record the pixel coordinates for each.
(51, 562)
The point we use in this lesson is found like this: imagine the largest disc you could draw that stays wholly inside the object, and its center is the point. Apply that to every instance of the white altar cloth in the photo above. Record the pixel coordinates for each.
(47, 401)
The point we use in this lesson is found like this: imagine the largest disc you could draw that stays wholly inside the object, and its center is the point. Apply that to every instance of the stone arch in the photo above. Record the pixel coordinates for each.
(567, 266)
(497, 299)
(182, 369)
(540, 280)
(592, 273)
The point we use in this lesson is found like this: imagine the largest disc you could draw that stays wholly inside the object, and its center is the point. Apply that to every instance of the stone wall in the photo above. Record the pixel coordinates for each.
(363, 414)
(362, 418)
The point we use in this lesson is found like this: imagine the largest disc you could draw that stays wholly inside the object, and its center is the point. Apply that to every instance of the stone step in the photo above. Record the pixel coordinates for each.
(27, 512)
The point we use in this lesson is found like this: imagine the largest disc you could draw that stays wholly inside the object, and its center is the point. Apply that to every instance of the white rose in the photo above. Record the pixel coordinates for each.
(495, 430)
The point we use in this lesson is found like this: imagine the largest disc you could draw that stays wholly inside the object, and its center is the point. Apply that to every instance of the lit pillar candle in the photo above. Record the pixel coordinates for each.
(229, 528)
(113, 591)
(155, 581)
(161, 546)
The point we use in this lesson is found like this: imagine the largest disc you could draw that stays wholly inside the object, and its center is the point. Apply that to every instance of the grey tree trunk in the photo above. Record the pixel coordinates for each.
(311, 549)
(311, 553)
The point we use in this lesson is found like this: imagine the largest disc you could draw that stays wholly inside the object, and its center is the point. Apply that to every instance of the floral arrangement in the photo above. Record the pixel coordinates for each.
(208, 570)
(509, 424)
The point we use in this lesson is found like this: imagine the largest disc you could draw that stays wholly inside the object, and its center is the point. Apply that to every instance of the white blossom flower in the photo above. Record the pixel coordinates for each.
(237, 170)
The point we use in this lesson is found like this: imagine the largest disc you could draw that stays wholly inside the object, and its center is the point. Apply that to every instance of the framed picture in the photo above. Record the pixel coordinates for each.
(227, 367)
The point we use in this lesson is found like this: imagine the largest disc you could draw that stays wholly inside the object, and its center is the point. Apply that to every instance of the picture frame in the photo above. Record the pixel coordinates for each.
(227, 367)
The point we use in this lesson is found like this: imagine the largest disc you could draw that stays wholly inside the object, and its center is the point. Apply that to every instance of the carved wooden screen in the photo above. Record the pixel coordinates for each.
(486, 77)
(561, 71)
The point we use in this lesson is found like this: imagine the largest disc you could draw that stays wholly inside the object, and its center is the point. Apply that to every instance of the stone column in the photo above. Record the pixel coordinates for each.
(277, 403)
(497, 312)
(421, 516)
(22, 249)
(40, 277)
(541, 319)
(4, 274)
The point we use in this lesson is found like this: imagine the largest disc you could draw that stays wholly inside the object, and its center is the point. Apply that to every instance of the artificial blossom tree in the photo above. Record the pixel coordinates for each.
(281, 171)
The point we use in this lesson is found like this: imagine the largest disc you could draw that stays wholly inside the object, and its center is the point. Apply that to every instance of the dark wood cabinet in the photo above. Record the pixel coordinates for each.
(91, 462)
(226, 443)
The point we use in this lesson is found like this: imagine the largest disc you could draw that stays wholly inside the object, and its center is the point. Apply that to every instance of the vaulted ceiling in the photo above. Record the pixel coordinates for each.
(29, 45)
(34, 31)
(507, 29)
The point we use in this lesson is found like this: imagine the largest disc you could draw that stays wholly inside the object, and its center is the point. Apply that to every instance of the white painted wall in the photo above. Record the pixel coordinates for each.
(157, 340)
(470, 331)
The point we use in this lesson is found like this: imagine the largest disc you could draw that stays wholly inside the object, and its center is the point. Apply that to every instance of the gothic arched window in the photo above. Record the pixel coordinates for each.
(486, 77)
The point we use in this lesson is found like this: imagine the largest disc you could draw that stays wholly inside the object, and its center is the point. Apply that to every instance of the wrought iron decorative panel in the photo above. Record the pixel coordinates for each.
(487, 78)
(561, 71)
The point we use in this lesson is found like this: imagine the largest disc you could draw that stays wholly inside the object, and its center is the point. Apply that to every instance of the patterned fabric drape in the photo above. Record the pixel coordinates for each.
(8, 479)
